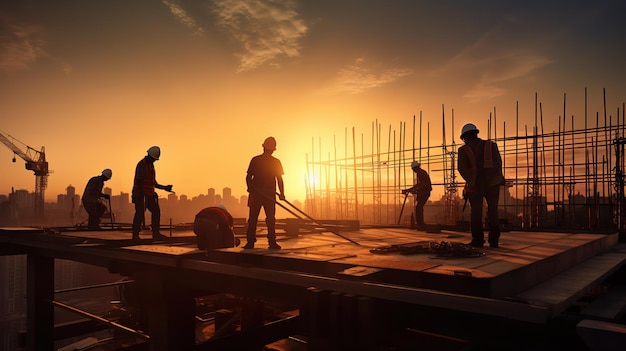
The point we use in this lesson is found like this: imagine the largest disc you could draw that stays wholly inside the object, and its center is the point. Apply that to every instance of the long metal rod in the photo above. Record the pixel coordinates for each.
(103, 320)
(315, 221)
(402, 209)
(60, 291)
(110, 212)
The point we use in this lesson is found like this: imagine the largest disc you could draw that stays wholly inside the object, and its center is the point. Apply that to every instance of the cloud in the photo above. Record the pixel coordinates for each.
(357, 78)
(19, 46)
(501, 55)
(499, 69)
(267, 29)
(184, 18)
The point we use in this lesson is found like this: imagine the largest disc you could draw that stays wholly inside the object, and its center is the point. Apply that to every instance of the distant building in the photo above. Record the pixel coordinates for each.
(22, 199)
(69, 201)
(228, 199)
(171, 197)
(211, 197)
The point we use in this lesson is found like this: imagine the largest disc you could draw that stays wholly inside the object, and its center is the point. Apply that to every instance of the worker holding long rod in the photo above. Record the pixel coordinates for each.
(421, 190)
(265, 172)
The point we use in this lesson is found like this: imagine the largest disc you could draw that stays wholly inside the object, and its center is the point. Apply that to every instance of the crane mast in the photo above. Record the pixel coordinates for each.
(36, 162)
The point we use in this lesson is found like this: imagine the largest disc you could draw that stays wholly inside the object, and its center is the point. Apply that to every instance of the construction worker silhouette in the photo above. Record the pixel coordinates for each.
(213, 227)
(480, 164)
(264, 174)
(91, 199)
(144, 195)
(421, 190)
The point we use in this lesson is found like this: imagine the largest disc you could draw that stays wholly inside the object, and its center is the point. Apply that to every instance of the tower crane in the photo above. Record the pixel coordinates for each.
(36, 162)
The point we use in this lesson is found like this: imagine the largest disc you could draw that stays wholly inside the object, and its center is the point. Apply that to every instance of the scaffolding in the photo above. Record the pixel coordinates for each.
(571, 178)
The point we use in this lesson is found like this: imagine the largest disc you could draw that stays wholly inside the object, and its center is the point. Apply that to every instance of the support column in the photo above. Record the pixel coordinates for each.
(39, 308)
(171, 313)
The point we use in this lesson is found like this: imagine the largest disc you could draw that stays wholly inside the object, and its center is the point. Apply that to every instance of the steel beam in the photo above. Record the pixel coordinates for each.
(40, 312)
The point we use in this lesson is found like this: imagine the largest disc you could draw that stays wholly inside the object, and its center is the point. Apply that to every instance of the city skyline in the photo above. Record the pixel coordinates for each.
(67, 209)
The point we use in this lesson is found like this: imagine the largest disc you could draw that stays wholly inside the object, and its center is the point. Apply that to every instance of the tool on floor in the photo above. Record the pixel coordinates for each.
(317, 222)
(306, 215)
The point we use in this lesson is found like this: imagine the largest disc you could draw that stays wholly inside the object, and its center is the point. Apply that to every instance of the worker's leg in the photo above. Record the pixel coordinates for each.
(100, 210)
(270, 220)
(253, 215)
(140, 209)
(421, 199)
(492, 194)
(93, 220)
(152, 204)
(476, 218)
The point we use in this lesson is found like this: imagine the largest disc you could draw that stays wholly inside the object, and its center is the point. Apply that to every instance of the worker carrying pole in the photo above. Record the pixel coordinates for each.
(265, 173)
(421, 190)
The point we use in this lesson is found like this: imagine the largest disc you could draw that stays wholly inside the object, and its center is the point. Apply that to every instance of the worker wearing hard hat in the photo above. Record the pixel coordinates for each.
(91, 199)
(213, 227)
(144, 194)
(421, 190)
(480, 164)
(265, 172)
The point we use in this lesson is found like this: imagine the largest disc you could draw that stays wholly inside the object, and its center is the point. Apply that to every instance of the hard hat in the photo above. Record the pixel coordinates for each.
(270, 143)
(222, 207)
(469, 127)
(415, 164)
(107, 173)
(154, 152)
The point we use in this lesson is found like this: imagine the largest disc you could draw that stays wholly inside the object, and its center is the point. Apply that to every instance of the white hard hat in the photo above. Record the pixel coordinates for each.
(270, 143)
(107, 173)
(415, 164)
(154, 152)
(469, 127)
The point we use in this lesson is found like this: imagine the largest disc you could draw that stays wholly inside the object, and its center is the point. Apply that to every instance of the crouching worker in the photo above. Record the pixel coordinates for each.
(214, 228)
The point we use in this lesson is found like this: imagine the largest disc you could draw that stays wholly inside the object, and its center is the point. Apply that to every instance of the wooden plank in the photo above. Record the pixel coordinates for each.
(609, 306)
(389, 262)
(21, 230)
(562, 290)
(161, 249)
(602, 336)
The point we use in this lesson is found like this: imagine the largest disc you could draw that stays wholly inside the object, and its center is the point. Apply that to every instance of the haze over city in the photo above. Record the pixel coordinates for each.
(98, 83)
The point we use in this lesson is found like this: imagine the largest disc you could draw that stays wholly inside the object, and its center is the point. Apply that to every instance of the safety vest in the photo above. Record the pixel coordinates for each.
(481, 160)
(487, 153)
(148, 183)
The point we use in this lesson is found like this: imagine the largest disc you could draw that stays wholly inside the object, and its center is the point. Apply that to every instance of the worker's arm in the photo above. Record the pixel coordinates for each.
(281, 187)
(467, 165)
(412, 190)
(167, 188)
(249, 183)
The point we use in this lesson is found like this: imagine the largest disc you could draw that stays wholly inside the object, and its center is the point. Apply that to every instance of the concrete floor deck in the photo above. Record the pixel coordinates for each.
(541, 269)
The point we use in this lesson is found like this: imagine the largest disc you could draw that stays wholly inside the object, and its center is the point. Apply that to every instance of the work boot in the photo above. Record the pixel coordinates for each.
(274, 246)
(476, 243)
(159, 236)
(493, 239)
(249, 245)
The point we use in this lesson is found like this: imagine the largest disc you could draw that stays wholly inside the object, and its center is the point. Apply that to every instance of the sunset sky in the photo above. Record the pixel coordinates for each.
(99, 82)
